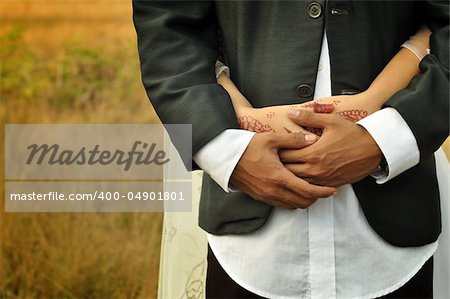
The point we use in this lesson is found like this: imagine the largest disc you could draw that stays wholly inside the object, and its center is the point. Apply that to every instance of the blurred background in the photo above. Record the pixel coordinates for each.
(73, 62)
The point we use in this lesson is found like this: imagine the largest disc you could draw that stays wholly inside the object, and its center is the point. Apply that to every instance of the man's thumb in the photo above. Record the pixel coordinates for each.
(293, 140)
(306, 118)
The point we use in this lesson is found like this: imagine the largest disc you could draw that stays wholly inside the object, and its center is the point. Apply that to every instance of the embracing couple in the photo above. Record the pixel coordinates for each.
(316, 124)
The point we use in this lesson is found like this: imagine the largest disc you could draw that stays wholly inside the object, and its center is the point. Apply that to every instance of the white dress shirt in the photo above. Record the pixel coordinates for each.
(328, 250)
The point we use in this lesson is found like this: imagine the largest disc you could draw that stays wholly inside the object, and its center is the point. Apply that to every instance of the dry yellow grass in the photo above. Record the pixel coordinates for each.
(73, 62)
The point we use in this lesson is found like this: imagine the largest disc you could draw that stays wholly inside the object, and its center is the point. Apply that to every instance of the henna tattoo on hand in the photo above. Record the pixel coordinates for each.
(321, 107)
(271, 114)
(308, 105)
(353, 115)
(287, 130)
(250, 124)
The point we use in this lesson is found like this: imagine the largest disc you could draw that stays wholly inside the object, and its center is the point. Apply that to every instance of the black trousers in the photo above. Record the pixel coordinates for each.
(220, 285)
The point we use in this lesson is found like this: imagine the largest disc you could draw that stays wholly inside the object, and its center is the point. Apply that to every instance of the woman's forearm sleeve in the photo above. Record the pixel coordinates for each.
(222, 68)
(419, 44)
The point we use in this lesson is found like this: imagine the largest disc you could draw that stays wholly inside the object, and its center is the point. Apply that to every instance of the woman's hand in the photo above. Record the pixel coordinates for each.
(268, 119)
(350, 107)
(275, 118)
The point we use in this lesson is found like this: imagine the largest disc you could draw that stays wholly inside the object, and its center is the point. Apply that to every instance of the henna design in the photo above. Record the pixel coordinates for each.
(287, 130)
(321, 108)
(270, 114)
(308, 105)
(250, 124)
(353, 115)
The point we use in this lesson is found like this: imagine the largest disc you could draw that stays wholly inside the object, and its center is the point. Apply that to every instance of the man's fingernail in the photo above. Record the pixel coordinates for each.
(310, 138)
(293, 113)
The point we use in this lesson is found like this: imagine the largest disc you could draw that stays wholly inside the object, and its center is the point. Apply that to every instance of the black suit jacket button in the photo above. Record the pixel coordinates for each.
(314, 10)
(305, 90)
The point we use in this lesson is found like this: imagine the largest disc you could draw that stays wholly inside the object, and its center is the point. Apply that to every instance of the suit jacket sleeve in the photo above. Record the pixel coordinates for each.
(178, 48)
(424, 104)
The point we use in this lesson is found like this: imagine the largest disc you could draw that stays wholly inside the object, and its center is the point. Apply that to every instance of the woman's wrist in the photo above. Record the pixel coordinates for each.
(373, 98)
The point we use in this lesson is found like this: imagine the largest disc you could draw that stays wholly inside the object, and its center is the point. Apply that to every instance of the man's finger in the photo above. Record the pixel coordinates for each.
(300, 170)
(292, 199)
(305, 189)
(295, 155)
(293, 140)
(280, 204)
(310, 119)
(304, 172)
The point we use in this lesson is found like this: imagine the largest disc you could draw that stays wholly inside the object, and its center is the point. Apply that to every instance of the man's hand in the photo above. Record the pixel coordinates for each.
(261, 174)
(344, 154)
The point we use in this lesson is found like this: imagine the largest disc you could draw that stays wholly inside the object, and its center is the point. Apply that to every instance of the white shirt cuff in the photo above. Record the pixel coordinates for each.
(395, 139)
(220, 155)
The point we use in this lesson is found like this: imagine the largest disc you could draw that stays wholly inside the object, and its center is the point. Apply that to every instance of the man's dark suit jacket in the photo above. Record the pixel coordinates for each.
(272, 49)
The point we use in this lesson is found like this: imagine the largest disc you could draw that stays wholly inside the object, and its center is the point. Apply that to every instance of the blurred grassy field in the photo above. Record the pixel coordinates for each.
(73, 62)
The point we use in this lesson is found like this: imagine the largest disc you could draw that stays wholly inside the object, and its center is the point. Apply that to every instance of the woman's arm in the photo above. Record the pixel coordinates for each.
(394, 77)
